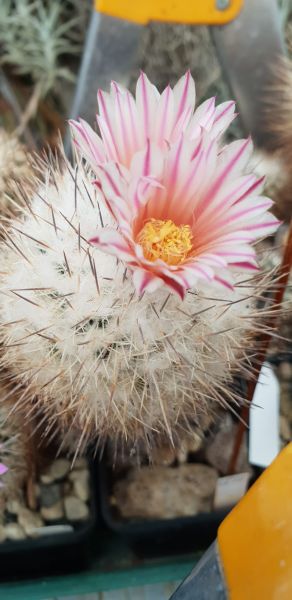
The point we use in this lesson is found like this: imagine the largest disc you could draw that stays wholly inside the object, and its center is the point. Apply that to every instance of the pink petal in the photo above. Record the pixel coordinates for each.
(237, 216)
(105, 121)
(109, 143)
(114, 189)
(198, 269)
(164, 117)
(224, 280)
(265, 226)
(181, 124)
(235, 237)
(140, 190)
(148, 162)
(178, 158)
(177, 168)
(88, 142)
(176, 284)
(126, 121)
(234, 157)
(193, 180)
(112, 180)
(233, 192)
(184, 94)
(256, 187)
(121, 131)
(233, 256)
(133, 120)
(224, 115)
(232, 160)
(247, 209)
(213, 260)
(113, 242)
(145, 280)
(248, 266)
(147, 100)
(203, 118)
(185, 205)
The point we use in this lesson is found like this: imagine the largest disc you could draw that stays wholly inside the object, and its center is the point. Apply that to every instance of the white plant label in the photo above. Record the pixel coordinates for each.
(230, 489)
(264, 439)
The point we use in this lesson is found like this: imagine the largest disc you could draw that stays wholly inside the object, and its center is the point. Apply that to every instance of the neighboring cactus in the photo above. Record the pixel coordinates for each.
(14, 166)
(274, 160)
(13, 449)
(93, 357)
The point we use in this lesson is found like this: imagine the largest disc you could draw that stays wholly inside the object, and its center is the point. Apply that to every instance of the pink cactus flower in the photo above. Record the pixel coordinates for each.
(3, 470)
(184, 207)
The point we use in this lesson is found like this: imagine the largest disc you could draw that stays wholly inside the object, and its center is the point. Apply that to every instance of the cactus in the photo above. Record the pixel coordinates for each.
(91, 357)
(13, 449)
(14, 167)
(42, 24)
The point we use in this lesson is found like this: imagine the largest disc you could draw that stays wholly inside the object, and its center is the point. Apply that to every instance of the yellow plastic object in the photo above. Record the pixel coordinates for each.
(203, 12)
(255, 540)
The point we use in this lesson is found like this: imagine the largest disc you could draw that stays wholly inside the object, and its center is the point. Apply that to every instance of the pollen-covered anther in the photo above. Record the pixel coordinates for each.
(166, 241)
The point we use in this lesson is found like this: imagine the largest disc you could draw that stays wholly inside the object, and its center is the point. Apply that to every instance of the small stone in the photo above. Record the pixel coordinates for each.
(54, 512)
(50, 495)
(163, 455)
(3, 534)
(29, 520)
(189, 445)
(285, 371)
(194, 443)
(67, 488)
(286, 401)
(36, 490)
(182, 454)
(219, 449)
(2, 507)
(285, 429)
(56, 471)
(80, 463)
(14, 506)
(75, 509)
(81, 487)
(13, 531)
(163, 492)
(205, 421)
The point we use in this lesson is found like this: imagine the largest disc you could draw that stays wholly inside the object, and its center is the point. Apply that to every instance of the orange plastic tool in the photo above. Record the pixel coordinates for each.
(255, 539)
(207, 12)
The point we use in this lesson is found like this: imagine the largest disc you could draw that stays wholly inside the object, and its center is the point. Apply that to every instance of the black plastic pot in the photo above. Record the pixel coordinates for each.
(162, 536)
(56, 554)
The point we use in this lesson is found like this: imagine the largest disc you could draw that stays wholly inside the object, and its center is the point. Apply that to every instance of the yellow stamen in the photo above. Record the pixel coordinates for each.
(165, 240)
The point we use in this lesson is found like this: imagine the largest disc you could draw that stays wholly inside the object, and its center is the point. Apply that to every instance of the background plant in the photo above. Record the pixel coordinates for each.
(35, 36)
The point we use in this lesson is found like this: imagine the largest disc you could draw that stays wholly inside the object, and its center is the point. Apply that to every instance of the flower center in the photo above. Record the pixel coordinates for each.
(165, 240)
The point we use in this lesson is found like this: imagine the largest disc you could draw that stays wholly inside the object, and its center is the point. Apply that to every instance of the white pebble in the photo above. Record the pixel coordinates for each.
(56, 471)
(75, 509)
(14, 532)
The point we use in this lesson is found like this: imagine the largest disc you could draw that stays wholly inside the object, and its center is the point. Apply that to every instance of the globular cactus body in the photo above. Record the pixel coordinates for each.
(92, 355)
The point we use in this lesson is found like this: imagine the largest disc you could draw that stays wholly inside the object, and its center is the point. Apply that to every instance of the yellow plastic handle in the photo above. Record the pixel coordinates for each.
(255, 539)
(201, 12)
